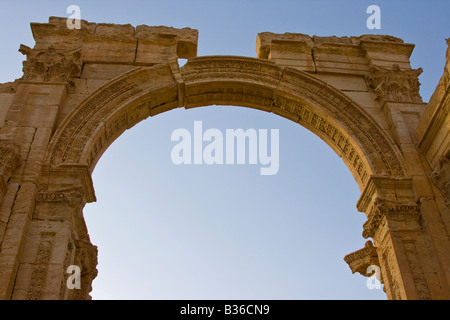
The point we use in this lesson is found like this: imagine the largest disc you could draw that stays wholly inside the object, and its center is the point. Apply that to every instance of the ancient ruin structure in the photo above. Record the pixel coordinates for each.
(82, 88)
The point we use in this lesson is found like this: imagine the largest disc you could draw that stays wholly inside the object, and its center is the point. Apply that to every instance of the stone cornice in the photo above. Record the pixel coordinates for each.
(359, 261)
(389, 210)
(81, 186)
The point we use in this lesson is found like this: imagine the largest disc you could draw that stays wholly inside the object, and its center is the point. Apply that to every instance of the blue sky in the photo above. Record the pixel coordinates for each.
(226, 232)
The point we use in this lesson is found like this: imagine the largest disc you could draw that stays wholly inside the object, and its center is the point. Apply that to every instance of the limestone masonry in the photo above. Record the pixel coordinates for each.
(81, 89)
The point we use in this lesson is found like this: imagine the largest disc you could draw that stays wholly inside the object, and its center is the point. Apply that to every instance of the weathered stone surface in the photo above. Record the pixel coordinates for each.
(341, 55)
(5, 102)
(119, 44)
(82, 89)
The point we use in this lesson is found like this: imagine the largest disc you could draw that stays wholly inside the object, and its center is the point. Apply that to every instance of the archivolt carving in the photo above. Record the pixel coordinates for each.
(72, 196)
(86, 257)
(389, 261)
(333, 135)
(9, 87)
(416, 267)
(229, 68)
(256, 83)
(343, 110)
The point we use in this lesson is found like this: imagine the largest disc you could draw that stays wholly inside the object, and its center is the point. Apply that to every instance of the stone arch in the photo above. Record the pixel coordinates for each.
(226, 80)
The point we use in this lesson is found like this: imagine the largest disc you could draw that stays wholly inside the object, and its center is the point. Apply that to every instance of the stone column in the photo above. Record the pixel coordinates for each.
(29, 123)
(411, 266)
(57, 238)
(406, 220)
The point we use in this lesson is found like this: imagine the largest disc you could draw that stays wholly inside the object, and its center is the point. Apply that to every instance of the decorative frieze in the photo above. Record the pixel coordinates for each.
(344, 110)
(99, 100)
(391, 280)
(86, 257)
(415, 265)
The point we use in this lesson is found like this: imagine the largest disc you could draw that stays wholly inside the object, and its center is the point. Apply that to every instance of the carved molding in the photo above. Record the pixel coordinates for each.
(102, 100)
(391, 281)
(417, 270)
(80, 177)
(389, 210)
(50, 65)
(231, 68)
(64, 291)
(40, 266)
(394, 84)
(359, 261)
(73, 196)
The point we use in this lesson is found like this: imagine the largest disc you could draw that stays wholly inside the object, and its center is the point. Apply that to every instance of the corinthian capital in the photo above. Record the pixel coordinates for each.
(50, 65)
(394, 84)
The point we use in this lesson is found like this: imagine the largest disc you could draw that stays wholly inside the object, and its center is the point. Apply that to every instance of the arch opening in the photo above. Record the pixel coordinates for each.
(281, 232)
